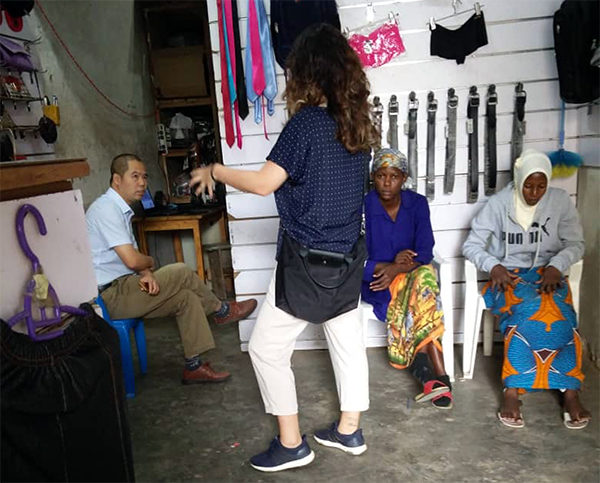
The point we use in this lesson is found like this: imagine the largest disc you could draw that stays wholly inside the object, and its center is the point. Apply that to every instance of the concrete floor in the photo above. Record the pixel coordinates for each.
(208, 432)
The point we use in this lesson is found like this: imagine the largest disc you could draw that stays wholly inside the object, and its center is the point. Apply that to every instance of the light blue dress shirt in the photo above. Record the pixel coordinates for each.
(108, 221)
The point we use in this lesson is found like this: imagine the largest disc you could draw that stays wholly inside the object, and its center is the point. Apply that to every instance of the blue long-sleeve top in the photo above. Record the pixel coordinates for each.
(386, 238)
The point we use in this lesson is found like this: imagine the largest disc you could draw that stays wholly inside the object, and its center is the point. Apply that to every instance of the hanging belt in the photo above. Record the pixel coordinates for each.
(432, 105)
(491, 166)
(411, 130)
(518, 127)
(393, 115)
(451, 106)
(377, 119)
(472, 130)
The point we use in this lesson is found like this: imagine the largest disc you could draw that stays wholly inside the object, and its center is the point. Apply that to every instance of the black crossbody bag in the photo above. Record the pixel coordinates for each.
(318, 285)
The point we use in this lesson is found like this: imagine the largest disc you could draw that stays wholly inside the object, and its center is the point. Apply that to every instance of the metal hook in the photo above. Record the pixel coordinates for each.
(21, 214)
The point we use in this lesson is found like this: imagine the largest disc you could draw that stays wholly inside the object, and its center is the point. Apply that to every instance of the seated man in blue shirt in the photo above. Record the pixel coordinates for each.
(130, 288)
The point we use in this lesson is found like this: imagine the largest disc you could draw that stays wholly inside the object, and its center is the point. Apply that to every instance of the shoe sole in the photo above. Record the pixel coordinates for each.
(287, 466)
(358, 450)
(188, 382)
(421, 398)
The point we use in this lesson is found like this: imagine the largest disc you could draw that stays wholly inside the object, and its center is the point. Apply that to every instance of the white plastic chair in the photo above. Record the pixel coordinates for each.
(445, 281)
(475, 310)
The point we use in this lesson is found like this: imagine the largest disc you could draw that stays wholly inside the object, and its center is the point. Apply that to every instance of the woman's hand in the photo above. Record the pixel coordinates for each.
(385, 273)
(405, 257)
(203, 179)
(502, 278)
(551, 279)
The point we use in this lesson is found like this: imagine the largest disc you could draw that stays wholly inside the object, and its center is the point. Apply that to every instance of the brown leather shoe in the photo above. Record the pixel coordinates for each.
(204, 373)
(237, 311)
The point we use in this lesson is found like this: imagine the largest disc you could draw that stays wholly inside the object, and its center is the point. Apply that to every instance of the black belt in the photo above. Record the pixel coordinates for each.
(490, 168)
(472, 130)
(393, 116)
(450, 167)
(102, 288)
(411, 130)
(377, 119)
(432, 105)
(518, 128)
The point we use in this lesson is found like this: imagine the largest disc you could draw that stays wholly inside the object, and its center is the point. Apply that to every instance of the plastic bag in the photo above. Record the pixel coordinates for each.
(376, 45)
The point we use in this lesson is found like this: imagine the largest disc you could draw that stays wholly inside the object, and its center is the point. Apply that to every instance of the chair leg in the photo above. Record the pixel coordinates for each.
(488, 332)
(475, 338)
(140, 342)
(126, 360)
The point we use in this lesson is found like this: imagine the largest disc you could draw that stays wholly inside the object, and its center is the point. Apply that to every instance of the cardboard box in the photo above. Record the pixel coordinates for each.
(179, 72)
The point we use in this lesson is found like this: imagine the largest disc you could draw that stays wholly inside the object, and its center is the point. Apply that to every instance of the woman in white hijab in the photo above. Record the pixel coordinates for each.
(527, 236)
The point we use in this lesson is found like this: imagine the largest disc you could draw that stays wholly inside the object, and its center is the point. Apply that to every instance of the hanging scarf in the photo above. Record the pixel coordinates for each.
(240, 80)
(260, 59)
(223, 50)
(228, 35)
(531, 161)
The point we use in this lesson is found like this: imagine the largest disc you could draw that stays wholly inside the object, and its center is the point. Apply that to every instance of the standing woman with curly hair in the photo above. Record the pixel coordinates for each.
(316, 170)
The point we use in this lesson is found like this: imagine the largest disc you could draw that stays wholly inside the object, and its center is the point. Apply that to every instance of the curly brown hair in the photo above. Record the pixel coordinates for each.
(322, 67)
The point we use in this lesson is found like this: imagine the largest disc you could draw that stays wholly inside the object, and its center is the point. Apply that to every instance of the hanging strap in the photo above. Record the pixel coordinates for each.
(518, 128)
(411, 130)
(491, 167)
(229, 134)
(393, 121)
(473, 132)
(450, 167)
(377, 115)
(432, 105)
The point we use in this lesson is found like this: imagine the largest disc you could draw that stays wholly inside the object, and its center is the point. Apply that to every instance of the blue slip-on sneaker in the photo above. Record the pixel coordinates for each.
(350, 443)
(279, 458)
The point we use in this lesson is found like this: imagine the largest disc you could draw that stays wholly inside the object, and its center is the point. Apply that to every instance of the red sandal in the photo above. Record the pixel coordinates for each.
(431, 390)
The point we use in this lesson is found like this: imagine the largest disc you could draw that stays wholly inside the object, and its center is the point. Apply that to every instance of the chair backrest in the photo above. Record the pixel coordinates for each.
(105, 314)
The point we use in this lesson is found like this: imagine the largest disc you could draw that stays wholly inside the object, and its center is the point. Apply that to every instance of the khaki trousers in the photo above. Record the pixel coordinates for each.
(271, 347)
(182, 295)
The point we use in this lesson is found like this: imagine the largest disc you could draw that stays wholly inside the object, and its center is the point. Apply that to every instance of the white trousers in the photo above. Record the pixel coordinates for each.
(272, 344)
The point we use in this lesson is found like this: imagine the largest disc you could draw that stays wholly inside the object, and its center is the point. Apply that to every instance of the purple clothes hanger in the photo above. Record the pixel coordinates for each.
(27, 299)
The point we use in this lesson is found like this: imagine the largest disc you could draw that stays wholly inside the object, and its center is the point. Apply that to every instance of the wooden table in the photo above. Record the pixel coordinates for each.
(176, 223)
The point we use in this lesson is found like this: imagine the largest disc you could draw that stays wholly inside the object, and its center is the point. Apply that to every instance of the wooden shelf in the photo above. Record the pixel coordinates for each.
(181, 199)
(176, 153)
(19, 179)
(184, 102)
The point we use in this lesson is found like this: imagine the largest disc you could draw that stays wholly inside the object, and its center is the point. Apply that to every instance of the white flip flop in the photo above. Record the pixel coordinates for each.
(569, 424)
(512, 422)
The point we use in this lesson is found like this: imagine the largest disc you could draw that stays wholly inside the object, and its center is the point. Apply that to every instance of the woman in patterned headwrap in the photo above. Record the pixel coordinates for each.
(399, 280)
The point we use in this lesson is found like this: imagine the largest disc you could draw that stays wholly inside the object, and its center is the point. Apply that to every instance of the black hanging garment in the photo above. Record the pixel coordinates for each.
(63, 415)
(240, 80)
(576, 37)
(290, 18)
(457, 44)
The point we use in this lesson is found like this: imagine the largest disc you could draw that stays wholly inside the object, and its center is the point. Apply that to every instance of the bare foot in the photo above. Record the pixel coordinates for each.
(511, 406)
(574, 407)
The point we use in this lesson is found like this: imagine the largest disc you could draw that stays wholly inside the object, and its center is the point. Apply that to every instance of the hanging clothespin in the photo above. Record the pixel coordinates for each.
(370, 13)
(391, 16)
(455, 4)
(477, 9)
(431, 23)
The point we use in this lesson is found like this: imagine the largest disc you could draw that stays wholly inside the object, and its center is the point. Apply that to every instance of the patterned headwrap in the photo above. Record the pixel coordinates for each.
(389, 158)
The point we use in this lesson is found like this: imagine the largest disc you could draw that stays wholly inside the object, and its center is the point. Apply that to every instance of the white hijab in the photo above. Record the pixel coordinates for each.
(531, 161)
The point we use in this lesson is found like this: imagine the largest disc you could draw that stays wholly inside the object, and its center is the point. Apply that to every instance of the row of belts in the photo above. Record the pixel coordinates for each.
(450, 167)
(491, 166)
(377, 115)
(472, 130)
(411, 130)
(518, 127)
(432, 105)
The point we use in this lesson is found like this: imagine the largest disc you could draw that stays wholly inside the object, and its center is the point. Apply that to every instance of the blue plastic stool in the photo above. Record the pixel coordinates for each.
(123, 326)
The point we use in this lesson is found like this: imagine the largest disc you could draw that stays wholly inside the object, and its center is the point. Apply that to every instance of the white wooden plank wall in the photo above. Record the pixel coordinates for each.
(520, 49)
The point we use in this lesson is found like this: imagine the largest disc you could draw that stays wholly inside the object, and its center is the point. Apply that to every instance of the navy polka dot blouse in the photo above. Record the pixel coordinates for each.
(320, 204)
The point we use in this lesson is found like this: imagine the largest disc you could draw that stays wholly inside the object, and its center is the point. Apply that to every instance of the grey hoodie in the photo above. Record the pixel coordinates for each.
(554, 238)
